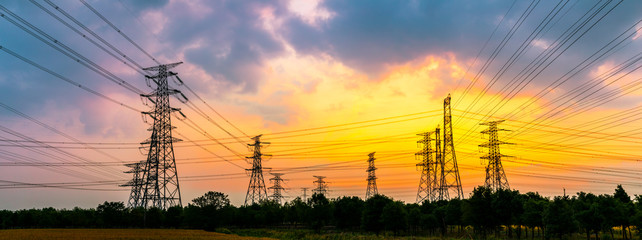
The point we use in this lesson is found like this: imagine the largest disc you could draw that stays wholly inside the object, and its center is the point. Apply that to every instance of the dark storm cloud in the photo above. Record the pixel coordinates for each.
(370, 35)
(367, 35)
(232, 42)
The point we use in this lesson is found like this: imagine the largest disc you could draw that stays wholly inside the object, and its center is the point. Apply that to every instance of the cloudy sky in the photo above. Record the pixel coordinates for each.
(326, 82)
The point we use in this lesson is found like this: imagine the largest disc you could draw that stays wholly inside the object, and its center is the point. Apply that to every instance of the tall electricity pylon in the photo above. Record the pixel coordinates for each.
(159, 184)
(256, 191)
(428, 184)
(321, 186)
(305, 194)
(136, 184)
(495, 175)
(439, 168)
(450, 182)
(372, 179)
(277, 188)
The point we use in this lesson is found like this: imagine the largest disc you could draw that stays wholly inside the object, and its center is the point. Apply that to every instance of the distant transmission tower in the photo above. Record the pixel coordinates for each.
(450, 181)
(305, 194)
(428, 182)
(322, 186)
(136, 184)
(495, 175)
(256, 191)
(439, 168)
(372, 179)
(159, 182)
(277, 188)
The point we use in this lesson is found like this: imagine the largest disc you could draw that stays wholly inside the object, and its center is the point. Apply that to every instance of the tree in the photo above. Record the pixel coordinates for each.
(440, 215)
(508, 208)
(454, 212)
(154, 217)
(394, 217)
(297, 211)
(347, 212)
(532, 216)
(636, 219)
(321, 211)
(587, 213)
(273, 212)
(217, 200)
(111, 213)
(625, 210)
(428, 219)
(609, 212)
(621, 195)
(558, 218)
(414, 217)
(174, 217)
(479, 211)
(372, 210)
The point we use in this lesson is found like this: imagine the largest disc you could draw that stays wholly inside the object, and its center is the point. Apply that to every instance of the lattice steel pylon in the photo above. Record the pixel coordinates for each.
(428, 184)
(305, 194)
(439, 168)
(321, 186)
(495, 175)
(160, 186)
(276, 188)
(372, 179)
(136, 184)
(256, 191)
(450, 181)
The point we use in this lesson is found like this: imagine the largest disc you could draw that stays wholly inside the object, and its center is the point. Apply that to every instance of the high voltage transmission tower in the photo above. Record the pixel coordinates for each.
(158, 185)
(372, 179)
(277, 188)
(321, 186)
(450, 182)
(305, 194)
(136, 184)
(495, 175)
(439, 167)
(439, 177)
(428, 182)
(256, 191)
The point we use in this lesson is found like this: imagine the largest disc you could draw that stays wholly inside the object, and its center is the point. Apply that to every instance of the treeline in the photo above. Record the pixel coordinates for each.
(501, 214)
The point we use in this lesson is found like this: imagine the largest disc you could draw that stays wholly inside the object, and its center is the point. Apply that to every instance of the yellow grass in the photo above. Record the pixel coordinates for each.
(115, 234)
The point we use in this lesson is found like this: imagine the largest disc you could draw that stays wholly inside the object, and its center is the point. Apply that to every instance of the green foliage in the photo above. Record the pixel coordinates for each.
(321, 212)
(111, 214)
(558, 218)
(371, 216)
(394, 216)
(216, 200)
(485, 214)
(479, 211)
(347, 212)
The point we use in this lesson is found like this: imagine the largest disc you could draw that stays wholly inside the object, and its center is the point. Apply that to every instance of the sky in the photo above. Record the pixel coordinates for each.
(326, 83)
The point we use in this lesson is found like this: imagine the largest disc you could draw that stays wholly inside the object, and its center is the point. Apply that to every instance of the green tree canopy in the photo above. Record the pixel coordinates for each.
(217, 200)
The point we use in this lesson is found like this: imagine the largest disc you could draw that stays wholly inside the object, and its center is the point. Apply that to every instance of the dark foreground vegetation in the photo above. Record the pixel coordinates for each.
(504, 214)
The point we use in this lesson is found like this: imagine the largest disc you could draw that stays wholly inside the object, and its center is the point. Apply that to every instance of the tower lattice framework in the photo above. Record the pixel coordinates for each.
(321, 186)
(159, 180)
(277, 188)
(305, 194)
(428, 186)
(256, 191)
(439, 168)
(450, 181)
(372, 178)
(495, 175)
(136, 184)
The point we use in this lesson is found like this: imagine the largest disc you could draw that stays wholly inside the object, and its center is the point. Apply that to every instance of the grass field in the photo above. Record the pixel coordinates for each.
(116, 234)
